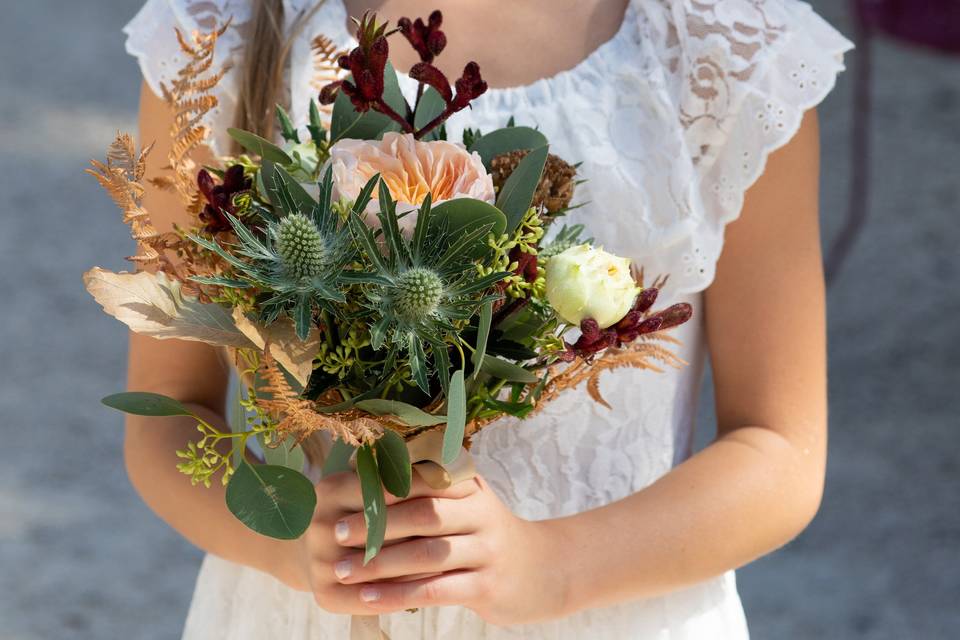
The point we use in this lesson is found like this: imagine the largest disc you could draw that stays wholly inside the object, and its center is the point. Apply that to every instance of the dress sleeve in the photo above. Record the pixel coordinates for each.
(741, 74)
(152, 40)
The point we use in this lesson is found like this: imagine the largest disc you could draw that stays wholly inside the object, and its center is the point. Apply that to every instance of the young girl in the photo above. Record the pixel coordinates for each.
(585, 522)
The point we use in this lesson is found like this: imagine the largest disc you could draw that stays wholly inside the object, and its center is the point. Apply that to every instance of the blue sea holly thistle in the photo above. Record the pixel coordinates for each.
(298, 259)
(426, 286)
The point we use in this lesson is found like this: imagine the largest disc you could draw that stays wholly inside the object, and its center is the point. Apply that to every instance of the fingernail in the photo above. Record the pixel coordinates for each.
(369, 594)
(342, 569)
(341, 531)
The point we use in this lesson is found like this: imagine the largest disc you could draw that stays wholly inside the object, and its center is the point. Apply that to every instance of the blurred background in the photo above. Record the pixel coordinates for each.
(82, 557)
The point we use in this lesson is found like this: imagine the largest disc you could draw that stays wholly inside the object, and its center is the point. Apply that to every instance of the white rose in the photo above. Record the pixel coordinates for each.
(587, 282)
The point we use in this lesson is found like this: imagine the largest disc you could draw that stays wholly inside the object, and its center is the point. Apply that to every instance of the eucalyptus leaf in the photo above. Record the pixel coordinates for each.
(238, 421)
(259, 146)
(431, 105)
(346, 122)
(456, 418)
(516, 194)
(338, 459)
(505, 140)
(504, 370)
(406, 413)
(144, 403)
(272, 500)
(483, 334)
(286, 454)
(393, 463)
(374, 504)
(462, 216)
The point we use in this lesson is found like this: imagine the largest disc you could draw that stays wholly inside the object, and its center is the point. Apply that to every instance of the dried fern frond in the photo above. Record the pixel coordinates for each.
(121, 176)
(326, 69)
(189, 97)
(299, 418)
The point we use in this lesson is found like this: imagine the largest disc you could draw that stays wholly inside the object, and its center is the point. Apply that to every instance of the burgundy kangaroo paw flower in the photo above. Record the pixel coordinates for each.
(646, 299)
(429, 74)
(426, 38)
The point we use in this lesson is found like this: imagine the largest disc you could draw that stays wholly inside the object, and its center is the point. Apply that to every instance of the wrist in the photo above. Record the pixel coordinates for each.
(556, 560)
(285, 562)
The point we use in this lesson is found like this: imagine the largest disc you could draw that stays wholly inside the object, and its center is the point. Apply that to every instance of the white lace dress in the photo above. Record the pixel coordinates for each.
(673, 119)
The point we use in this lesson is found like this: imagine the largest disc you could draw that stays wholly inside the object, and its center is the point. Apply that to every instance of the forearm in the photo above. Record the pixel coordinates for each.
(748, 493)
(196, 512)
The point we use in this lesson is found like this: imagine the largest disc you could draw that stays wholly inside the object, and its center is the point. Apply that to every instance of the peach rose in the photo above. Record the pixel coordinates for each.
(411, 169)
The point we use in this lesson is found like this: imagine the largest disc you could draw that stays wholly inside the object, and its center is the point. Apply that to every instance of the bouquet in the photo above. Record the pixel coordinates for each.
(371, 280)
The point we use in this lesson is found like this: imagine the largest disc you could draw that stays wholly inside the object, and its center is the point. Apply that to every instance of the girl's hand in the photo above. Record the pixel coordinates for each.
(473, 550)
(307, 564)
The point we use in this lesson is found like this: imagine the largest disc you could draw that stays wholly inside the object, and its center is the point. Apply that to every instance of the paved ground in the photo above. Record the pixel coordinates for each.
(81, 557)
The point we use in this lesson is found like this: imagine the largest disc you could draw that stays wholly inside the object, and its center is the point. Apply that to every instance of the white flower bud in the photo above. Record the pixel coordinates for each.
(587, 282)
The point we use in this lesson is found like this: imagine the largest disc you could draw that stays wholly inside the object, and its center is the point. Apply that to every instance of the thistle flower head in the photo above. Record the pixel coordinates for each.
(301, 247)
(417, 293)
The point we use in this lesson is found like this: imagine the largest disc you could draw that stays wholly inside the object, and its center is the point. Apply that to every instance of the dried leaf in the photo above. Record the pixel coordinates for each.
(290, 352)
(120, 176)
(189, 97)
(153, 304)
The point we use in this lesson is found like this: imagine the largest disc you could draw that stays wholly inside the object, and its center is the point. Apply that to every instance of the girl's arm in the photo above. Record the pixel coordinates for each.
(760, 483)
(195, 374)
(751, 491)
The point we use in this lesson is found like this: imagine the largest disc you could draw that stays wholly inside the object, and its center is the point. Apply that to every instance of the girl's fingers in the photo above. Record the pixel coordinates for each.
(454, 588)
(413, 517)
(422, 555)
(340, 492)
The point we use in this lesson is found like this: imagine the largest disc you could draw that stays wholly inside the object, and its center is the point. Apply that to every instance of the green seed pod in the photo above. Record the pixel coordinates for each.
(417, 293)
(301, 247)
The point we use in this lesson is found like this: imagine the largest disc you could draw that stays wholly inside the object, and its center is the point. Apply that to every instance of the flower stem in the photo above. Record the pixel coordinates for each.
(430, 126)
(388, 111)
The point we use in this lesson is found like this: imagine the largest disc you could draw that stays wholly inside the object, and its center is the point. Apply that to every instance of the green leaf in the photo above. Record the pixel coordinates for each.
(144, 403)
(456, 418)
(287, 130)
(374, 504)
(303, 317)
(260, 146)
(286, 193)
(346, 122)
(516, 195)
(504, 370)
(505, 140)
(238, 421)
(483, 333)
(422, 227)
(393, 463)
(418, 362)
(406, 413)
(315, 127)
(461, 216)
(286, 454)
(273, 501)
(338, 459)
(431, 105)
